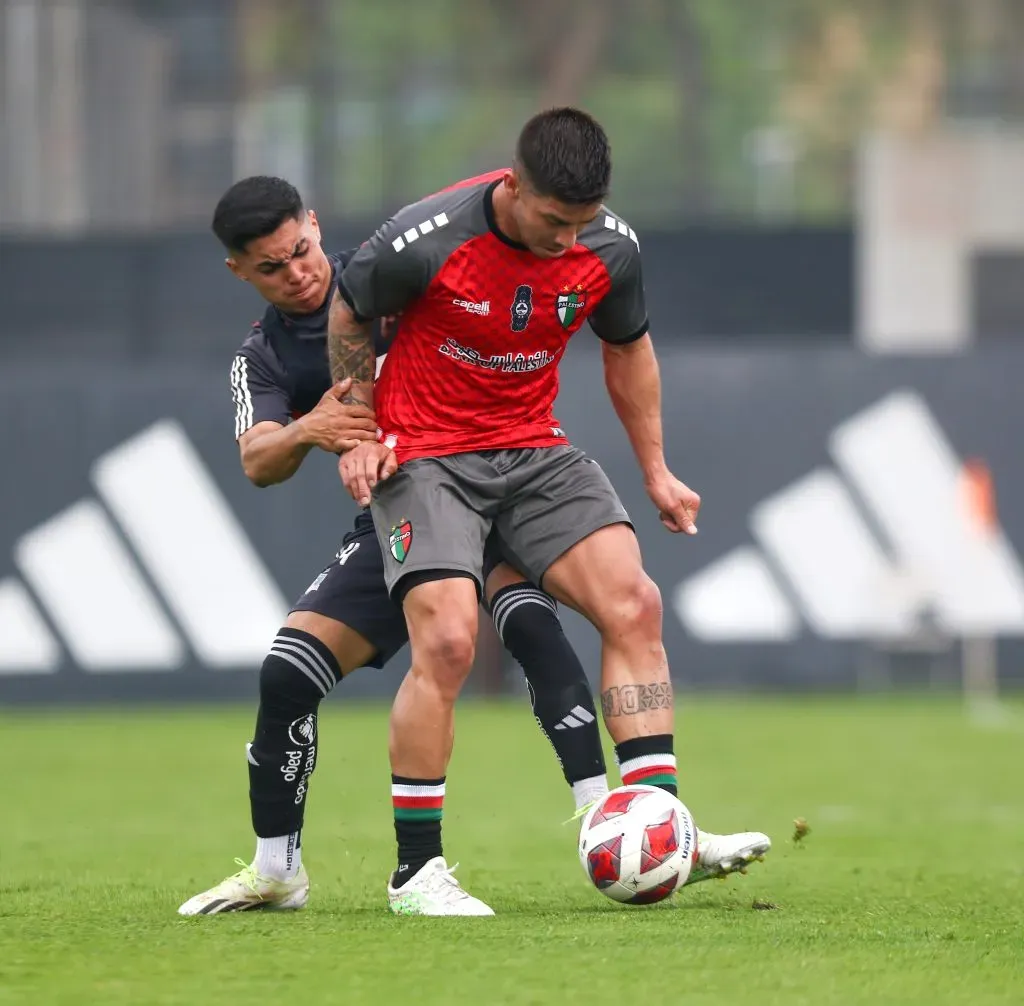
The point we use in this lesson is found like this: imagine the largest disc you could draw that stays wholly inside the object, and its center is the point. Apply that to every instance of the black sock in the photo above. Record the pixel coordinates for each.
(648, 761)
(527, 622)
(297, 673)
(418, 805)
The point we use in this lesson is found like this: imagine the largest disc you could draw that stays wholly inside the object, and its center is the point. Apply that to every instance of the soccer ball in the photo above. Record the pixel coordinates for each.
(637, 844)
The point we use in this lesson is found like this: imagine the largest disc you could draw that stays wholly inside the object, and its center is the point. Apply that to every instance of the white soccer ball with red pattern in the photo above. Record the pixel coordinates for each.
(637, 844)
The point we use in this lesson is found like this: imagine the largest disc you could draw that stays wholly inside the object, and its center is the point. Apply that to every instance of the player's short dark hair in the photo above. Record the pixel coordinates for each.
(566, 155)
(254, 208)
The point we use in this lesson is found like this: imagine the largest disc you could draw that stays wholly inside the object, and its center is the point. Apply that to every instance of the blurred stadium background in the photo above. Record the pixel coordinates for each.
(829, 201)
(829, 196)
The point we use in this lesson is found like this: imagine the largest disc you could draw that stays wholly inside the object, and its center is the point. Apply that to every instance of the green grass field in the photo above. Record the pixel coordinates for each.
(909, 888)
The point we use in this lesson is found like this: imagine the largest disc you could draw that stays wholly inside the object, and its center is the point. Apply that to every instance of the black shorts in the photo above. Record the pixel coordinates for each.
(352, 590)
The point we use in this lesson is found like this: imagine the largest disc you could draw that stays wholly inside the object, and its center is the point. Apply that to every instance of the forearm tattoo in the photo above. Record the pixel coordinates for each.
(628, 700)
(350, 350)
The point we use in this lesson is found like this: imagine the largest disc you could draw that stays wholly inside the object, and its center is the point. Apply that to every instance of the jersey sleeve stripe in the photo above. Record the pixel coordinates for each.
(236, 396)
(240, 395)
(244, 384)
(234, 390)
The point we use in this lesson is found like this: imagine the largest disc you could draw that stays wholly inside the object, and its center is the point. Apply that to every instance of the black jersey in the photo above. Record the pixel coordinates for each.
(281, 370)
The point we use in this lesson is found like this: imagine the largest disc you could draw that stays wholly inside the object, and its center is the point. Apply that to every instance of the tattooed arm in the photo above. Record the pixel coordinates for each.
(381, 280)
(350, 352)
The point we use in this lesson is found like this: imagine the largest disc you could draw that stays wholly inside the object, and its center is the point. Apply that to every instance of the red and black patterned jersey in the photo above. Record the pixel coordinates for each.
(281, 370)
(484, 321)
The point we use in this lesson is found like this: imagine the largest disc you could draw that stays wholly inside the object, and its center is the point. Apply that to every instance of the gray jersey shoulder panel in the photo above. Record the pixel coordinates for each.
(621, 316)
(399, 262)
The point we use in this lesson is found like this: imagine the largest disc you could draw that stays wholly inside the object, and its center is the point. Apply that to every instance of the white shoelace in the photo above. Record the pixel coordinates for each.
(444, 884)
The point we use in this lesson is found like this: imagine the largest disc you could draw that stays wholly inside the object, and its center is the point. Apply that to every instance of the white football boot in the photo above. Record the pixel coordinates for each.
(434, 891)
(247, 890)
(720, 855)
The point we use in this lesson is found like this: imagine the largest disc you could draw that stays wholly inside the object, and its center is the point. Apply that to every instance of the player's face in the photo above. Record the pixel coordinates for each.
(289, 267)
(547, 227)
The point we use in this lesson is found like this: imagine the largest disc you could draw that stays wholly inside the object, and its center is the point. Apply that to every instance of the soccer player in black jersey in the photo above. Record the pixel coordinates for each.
(286, 407)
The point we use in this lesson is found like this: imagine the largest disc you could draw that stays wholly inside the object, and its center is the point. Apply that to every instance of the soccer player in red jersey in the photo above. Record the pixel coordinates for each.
(492, 277)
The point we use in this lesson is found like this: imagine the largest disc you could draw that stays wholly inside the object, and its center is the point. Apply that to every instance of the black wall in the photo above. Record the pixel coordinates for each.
(171, 296)
(740, 425)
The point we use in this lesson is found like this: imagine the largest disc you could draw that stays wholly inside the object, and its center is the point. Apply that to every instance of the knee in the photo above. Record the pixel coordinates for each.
(442, 628)
(297, 673)
(633, 606)
(444, 659)
(450, 644)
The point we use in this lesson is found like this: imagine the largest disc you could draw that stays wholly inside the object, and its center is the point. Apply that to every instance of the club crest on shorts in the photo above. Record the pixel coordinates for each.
(569, 305)
(522, 308)
(400, 540)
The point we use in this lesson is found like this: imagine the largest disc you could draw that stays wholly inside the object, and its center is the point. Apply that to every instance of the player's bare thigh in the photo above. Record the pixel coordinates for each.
(350, 648)
(602, 575)
(503, 575)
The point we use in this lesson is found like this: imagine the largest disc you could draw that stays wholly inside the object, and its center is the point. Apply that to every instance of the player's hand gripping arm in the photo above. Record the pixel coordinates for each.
(634, 384)
(271, 452)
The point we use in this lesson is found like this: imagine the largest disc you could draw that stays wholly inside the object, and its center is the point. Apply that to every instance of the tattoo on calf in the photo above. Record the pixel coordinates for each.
(628, 700)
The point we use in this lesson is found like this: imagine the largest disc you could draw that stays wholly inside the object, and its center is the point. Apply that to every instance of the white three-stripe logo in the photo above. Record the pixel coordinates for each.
(821, 556)
(576, 717)
(100, 580)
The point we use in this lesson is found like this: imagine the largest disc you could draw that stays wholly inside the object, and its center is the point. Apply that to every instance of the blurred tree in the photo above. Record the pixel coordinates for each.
(851, 67)
(707, 102)
(717, 108)
(689, 64)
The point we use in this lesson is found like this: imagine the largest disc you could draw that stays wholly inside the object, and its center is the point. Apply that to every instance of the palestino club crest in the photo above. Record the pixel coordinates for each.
(400, 540)
(569, 304)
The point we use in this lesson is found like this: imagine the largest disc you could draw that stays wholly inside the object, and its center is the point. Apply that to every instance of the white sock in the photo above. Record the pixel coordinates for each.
(588, 790)
(278, 858)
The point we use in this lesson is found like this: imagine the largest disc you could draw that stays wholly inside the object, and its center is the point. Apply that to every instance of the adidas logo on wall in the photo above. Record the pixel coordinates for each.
(160, 529)
(870, 549)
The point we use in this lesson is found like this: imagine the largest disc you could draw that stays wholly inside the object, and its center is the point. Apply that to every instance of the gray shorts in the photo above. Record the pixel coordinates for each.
(436, 513)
